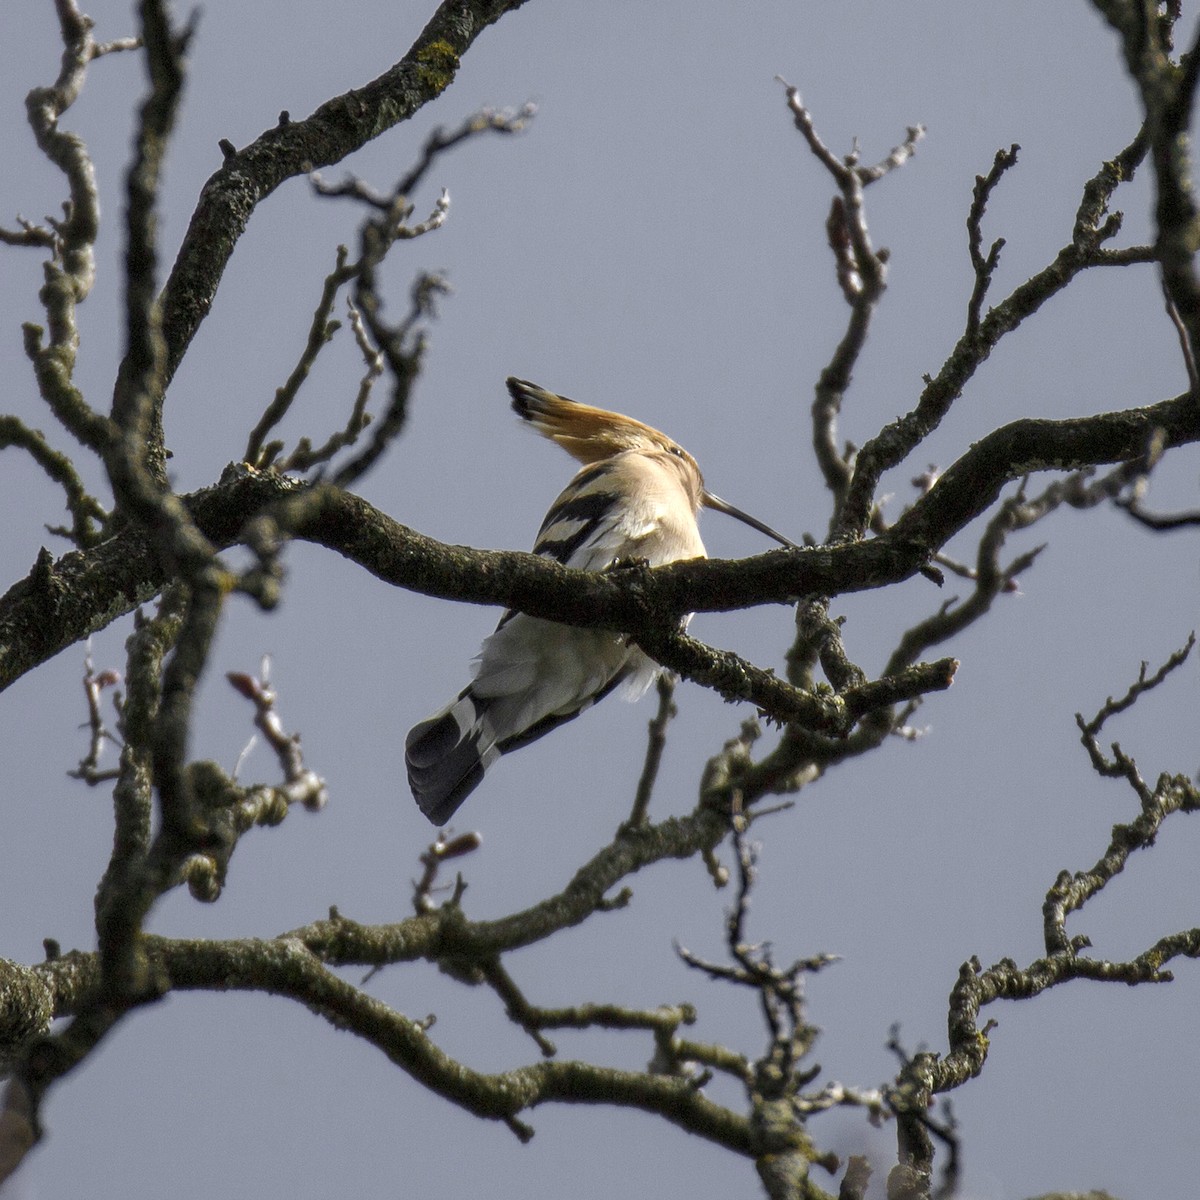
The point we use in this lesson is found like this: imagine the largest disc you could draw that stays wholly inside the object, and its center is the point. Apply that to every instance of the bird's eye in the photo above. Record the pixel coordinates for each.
(676, 450)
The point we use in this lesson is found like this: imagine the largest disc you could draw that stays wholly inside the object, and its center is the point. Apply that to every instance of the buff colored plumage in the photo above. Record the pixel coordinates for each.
(636, 497)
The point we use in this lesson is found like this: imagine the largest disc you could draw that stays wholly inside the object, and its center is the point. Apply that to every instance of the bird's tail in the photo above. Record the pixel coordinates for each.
(447, 756)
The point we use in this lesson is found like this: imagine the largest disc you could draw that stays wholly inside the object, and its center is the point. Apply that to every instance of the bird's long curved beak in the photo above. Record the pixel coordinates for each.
(711, 501)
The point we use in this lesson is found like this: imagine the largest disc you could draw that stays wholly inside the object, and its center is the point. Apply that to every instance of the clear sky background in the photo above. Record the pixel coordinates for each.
(653, 244)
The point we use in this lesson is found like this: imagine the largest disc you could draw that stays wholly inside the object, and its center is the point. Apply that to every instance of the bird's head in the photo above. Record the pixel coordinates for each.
(591, 434)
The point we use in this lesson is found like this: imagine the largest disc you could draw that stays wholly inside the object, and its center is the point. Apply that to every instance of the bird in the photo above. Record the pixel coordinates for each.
(636, 497)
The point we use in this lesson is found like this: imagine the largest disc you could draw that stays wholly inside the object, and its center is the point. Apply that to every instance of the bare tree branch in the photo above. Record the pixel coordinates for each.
(336, 129)
(178, 821)
(1092, 229)
(861, 274)
(85, 510)
(654, 749)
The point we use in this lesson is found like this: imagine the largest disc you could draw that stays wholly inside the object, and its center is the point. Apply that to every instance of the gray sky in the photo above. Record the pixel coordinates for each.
(653, 244)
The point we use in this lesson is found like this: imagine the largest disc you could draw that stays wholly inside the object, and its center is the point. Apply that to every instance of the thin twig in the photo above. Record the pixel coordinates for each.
(301, 784)
(984, 266)
(320, 331)
(442, 849)
(84, 508)
(93, 687)
(655, 745)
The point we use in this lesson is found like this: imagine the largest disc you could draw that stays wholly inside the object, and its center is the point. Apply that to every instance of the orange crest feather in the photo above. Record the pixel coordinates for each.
(587, 434)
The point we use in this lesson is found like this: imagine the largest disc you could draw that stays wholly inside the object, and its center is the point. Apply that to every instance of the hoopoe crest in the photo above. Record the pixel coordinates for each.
(636, 497)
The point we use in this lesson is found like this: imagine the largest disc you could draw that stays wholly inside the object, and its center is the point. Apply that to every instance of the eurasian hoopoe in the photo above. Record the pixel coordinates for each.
(636, 498)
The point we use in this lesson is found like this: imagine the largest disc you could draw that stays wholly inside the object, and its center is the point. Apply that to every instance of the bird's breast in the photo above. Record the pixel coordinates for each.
(630, 506)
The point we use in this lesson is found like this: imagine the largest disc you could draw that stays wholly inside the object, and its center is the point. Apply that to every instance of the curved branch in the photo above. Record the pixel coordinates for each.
(1092, 229)
(286, 967)
(61, 602)
(298, 965)
(336, 129)
(638, 599)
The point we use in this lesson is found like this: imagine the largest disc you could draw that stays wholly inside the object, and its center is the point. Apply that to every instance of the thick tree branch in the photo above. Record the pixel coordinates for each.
(336, 129)
(62, 602)
(1168, 92)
